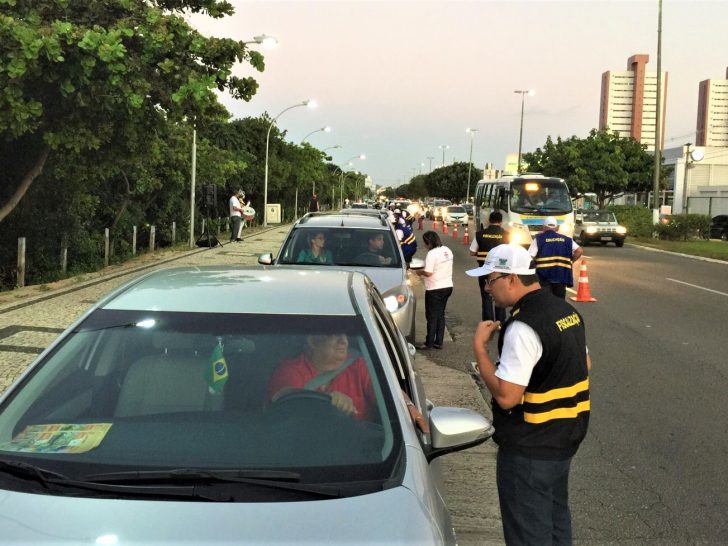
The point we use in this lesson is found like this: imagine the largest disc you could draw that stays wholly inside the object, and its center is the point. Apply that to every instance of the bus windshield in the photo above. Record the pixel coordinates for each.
(539, 197)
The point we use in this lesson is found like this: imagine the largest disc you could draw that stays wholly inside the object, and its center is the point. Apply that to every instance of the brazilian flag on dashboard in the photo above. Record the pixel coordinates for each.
(216, 374)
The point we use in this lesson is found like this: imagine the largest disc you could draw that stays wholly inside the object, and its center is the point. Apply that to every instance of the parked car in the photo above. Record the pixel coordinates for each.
(358, 206)
(347, 237)
(151, 420)
(719, 227)
(469, 209)
(455, 214)
(600, 226)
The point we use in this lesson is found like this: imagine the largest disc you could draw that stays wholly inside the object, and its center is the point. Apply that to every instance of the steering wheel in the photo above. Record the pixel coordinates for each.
(304, 394)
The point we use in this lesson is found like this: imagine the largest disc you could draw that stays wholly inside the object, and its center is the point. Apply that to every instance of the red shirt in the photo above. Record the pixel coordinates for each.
(354, 382)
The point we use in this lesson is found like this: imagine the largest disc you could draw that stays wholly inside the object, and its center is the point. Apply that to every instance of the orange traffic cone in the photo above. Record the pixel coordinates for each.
(583, 293)
(444, 227)
(455, 232)
(419, 223)
(434, 225)
(466, 236)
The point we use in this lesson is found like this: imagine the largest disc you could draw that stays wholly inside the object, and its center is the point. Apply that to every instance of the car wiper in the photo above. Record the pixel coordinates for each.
(272, 479)
(27, 470)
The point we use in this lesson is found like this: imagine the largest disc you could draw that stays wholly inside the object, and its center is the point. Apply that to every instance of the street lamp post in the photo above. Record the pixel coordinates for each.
(443, 147)
(326, 129)
(192, 186)
(430, 158)
(523, 93)
(341, 179)
(308, 103)
(470, 161)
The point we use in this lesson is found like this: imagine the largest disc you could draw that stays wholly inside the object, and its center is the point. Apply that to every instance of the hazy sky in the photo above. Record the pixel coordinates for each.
(395, 79)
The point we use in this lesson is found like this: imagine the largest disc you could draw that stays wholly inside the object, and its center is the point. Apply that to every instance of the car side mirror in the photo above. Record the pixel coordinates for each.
(265, 259)
(455, 429)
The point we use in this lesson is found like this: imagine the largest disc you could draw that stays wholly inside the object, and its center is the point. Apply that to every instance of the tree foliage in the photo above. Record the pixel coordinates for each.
(602, 163)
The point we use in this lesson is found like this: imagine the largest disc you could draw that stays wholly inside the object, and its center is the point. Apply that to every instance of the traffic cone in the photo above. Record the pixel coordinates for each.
(455, 231)
(444, 227)
(434, 225)
(583, 293)
(466, 236)
(419, 223)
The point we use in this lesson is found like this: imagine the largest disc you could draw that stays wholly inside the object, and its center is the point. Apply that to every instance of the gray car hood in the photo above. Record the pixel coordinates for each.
(395, 516)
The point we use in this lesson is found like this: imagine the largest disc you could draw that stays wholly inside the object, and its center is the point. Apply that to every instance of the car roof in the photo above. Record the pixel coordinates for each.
(258, 290)
(344, 219)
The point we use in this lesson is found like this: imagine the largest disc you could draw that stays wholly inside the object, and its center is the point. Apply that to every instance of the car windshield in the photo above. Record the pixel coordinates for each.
(540, 197)
(599, 216)
(146, 391)
(442, 203)
(341, 247)
(456, 210)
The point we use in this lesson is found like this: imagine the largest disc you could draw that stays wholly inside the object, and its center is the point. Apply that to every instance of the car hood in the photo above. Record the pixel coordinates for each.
(394, 516)
(384, 278)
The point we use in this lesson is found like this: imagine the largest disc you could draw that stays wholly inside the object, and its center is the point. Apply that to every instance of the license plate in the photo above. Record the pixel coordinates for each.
(606, 238)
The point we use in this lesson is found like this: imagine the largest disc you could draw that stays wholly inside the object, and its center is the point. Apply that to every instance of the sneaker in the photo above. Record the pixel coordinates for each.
(437, 346)
(423, 347)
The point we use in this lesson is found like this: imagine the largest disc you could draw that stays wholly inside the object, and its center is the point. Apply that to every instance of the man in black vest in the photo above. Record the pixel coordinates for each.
(540, 397)
(484, 241)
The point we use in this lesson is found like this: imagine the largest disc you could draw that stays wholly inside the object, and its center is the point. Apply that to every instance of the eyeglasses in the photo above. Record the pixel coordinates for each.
(489, 282)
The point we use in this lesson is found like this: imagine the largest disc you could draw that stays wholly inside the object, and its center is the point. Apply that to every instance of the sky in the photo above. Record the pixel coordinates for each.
(397, 79)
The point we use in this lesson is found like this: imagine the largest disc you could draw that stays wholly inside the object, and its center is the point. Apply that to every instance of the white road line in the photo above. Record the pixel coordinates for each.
(696, 286)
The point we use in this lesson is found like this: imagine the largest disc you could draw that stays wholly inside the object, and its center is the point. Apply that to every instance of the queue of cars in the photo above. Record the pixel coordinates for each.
(153, 420)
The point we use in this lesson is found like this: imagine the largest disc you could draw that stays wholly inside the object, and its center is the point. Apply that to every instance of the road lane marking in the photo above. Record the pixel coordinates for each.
(699, 287)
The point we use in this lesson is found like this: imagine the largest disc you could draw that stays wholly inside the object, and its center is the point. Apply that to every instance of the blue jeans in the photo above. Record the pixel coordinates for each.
(534, 500)
(435, 302)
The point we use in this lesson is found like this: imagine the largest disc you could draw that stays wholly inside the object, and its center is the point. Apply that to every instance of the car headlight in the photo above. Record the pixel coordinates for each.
(621, 230)
(515, 238)
(591, 230)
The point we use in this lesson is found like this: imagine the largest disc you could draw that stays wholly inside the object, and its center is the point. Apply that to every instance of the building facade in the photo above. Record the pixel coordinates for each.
(712, 126)
(629, 102)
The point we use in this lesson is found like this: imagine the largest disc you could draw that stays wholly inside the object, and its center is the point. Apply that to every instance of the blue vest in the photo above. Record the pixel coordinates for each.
(553, 261)
(408, 242)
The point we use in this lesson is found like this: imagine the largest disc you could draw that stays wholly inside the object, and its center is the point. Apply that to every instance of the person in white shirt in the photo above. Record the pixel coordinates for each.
(236, 215)
(437, 276)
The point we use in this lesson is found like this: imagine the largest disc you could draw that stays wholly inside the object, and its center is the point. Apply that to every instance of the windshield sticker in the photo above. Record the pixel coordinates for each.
(58, 438)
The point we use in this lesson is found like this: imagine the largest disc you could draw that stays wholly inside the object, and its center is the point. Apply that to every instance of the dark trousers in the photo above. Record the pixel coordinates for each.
(489, 311)
(235, 227)
(557, 289)
(534, 500)
(435, 302)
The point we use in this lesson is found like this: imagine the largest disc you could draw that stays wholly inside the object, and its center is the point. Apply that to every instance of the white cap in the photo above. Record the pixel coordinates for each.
(505, 259)
(550, 221)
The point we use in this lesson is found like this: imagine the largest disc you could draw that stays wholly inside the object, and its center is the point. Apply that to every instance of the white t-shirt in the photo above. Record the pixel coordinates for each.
(234, 202)
(522, 349)
(438, 262)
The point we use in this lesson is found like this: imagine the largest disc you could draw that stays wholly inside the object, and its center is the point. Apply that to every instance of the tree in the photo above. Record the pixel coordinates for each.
(74, 75)
(450, 182)
(603, 163)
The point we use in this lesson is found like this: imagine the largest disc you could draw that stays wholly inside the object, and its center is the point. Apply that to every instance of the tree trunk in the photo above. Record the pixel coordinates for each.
(124, 204)
(28, 179)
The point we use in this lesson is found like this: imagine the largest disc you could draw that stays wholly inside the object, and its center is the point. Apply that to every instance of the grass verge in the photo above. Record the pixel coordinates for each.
(715, 249)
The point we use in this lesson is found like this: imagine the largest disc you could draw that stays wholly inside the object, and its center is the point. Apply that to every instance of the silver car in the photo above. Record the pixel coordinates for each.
(175, 411)
(346, 246)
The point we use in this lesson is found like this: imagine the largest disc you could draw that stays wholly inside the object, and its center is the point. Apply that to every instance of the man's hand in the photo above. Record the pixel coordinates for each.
(484, 332)
(342, 402)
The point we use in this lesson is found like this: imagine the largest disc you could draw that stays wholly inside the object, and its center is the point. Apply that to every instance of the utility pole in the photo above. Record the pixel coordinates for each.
(658, 124)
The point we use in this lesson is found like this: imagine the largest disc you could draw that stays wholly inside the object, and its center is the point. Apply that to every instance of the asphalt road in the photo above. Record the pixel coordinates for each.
(653, 469)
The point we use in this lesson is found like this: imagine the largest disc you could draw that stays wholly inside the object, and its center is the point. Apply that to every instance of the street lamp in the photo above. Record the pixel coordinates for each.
(341, 184)
(523, 93)
(326, 129)
(470, 161)
(192, 186)
(430, 158)
(264, 39)
(308, 103)
(443, 147)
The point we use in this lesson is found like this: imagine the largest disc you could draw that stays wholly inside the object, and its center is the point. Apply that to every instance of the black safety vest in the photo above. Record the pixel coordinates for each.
(488, 239)
(553, 417)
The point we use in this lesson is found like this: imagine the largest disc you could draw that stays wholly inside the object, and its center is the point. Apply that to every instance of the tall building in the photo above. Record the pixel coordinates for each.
(629, 102)
(712, 128)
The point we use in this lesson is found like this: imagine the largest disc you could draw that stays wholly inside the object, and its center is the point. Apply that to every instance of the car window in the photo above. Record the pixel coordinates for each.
(132, 390)
(343, 247)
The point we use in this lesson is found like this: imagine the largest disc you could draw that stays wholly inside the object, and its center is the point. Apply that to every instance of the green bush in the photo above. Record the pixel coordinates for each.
(636, 218)
(684, 227)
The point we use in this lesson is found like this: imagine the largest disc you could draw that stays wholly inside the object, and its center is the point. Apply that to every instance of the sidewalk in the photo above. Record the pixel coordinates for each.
(31, 317)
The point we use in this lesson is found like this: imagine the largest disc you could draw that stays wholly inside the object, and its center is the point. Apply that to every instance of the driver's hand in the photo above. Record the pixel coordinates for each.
(342, 402)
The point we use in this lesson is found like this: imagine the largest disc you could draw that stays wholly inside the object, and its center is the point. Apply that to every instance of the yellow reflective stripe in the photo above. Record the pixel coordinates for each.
(555, 259)
(555, 394)
(408, 240)
(482, 254)
(560, 413)
(542, 266)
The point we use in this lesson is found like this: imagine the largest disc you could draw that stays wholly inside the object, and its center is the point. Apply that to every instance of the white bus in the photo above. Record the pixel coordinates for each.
(524, 201)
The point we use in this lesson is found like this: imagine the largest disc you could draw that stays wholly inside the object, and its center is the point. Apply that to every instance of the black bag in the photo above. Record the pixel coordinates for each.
(207, 240)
